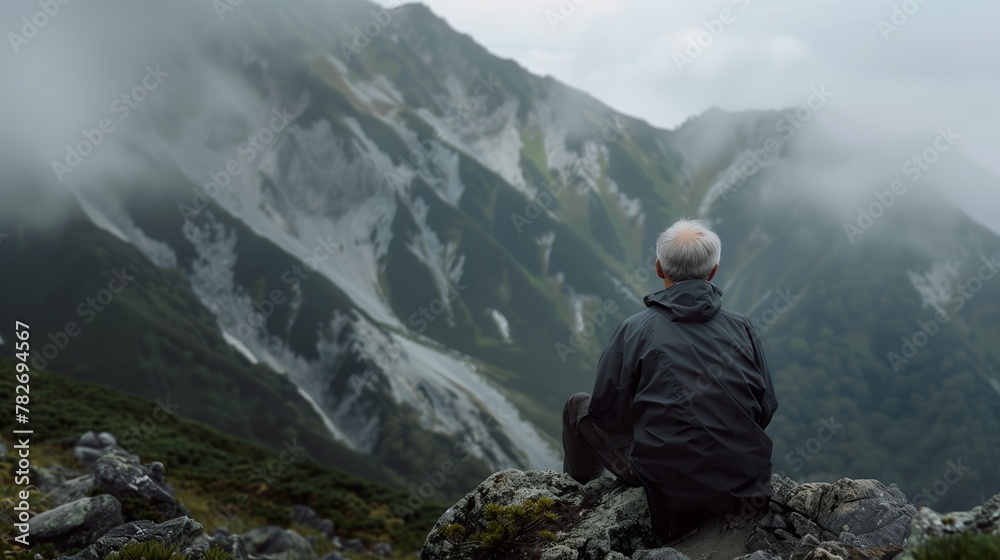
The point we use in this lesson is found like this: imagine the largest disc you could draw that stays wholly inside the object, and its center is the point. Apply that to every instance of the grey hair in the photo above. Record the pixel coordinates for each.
(688, 250)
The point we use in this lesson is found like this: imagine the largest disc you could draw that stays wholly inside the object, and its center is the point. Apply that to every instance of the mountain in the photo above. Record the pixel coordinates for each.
(356, 225)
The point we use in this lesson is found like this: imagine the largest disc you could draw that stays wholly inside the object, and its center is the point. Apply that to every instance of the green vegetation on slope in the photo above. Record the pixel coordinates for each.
(221, 479)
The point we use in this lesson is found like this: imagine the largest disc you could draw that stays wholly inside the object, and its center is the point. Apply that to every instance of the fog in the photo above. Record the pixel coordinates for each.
(890, 92)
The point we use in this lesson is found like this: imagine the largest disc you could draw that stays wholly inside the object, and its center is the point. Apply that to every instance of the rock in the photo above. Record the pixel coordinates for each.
(759, 555)
(233, 544)
(278, 544)
(600, 517)
(89, 440)
(382, 549)
(106, 439)
(3, 450)
(49, 478)
(333, 556)
(604, 520)
(865, 516)
(928, 524)
(76, 524)
(125, 478)
(307, 517)
(353, 545)
(183, 532)
(72, 490)
(665, 553)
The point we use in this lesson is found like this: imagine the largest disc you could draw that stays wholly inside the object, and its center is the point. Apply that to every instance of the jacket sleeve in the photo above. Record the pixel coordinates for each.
(768, 401)
(611, 401)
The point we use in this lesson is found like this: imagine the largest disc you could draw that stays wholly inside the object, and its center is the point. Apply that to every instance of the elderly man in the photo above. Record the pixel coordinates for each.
(682, 396)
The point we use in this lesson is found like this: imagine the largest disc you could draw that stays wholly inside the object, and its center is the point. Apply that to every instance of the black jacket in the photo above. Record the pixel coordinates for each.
(687, 379)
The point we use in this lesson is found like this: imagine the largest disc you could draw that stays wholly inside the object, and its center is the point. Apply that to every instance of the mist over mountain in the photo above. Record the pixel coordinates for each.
(353, 225)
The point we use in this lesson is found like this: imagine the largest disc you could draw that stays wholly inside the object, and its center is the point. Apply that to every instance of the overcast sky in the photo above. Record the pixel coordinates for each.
(941, 66)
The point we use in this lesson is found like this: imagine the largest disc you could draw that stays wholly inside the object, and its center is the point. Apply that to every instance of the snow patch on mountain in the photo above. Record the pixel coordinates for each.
(936, 284)
(502, 325)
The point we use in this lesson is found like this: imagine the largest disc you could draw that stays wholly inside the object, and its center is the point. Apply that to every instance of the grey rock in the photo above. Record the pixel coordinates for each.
(76, 524)
(233, 544)
(928, 524)
(759, 555)
(603, 516)
(72, 490)
(88, 456)
(3, 450)
(333, 556)
(49, 478)
(665, 553)
(183, 532)
(382, 549)
(860, 514)
(278, 544)
(307, 517)
(106, 439)
(125, 478)
(88, 439)
(353, 545)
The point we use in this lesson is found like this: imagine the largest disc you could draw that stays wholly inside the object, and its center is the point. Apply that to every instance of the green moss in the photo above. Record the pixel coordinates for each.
(965, 545)
(507, 527)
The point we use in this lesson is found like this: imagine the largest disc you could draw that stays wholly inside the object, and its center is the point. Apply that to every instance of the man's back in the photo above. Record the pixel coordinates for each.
(688, 381)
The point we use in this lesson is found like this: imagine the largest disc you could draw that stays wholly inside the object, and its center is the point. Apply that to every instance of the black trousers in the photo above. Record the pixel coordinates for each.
(588, 450)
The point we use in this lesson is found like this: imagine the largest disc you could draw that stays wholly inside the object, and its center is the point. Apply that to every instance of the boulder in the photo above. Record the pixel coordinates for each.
(126, 479)
(863, 516)
(605, 520)
(76, 524)
(233, 544)
(183, 532)
(278, 544)
(49, 478)
(72, 490)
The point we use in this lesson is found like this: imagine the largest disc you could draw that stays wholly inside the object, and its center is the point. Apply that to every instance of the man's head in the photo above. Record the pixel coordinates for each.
(687, 250)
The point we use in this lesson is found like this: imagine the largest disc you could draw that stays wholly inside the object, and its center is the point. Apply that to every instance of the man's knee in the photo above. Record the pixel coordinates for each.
(571, 411)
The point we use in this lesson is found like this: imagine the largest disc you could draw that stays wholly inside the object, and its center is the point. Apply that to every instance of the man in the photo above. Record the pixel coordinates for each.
(682, 396)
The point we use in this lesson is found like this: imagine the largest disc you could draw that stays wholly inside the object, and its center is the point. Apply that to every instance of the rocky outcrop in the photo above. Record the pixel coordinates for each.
(928, 524)
(603, 520)
(126, 478)
(76, 524)
(863, 518)
(184, 533)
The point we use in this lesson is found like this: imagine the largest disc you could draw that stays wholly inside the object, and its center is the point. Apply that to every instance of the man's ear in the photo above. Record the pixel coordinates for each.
(714, 270)
(659, 270)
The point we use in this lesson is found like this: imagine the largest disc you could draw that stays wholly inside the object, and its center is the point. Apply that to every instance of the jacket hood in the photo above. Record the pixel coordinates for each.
(690, 301)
